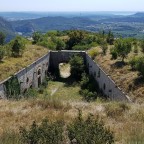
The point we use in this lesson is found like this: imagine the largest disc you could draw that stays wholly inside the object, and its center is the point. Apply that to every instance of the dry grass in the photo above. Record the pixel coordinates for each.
(126, 120)
(127, 124)
(123, 76)
(11, 65)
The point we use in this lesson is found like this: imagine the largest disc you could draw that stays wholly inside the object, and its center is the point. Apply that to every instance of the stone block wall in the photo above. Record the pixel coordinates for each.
(106, 84)
(34, 74)
(31, 76)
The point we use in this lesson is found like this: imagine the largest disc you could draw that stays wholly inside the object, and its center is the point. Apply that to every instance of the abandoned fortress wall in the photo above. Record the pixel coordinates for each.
(34, 74)
(106, 84)
(31, 76)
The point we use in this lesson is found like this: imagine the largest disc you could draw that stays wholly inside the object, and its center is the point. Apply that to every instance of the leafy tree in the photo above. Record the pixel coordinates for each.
(77, 66)
(2, 53)
(122, 48)
(60, 44)
(36, 37)
(110, 38)
(113, 52)
(2, 38)
(89, 131)
(75, 37)
(104, 48)
(142, 45)
(137, 63)
(89, 87)
(18, 46)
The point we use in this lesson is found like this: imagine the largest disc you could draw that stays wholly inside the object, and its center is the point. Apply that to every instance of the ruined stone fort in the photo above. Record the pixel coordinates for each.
(34, 74)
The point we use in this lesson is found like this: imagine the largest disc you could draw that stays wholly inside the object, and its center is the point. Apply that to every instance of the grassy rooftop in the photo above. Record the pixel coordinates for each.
(11, 65)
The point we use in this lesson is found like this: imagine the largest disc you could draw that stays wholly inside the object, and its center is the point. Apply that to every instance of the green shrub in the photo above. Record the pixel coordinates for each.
(113, 53)
(77, 66)
(2, 53)
(89, 87)
(31, 93)
(104, 48)
(89, 131)
(17, 46)
(133, 62)
(45, 133)
(88, 95)
(93, 53)
(137, 63)
(12, 87)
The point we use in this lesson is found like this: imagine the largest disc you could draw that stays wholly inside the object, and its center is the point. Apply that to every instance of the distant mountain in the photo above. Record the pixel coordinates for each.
(12, 16)
(138, 17)
(6, 28)
(51, 23)
(138, 14)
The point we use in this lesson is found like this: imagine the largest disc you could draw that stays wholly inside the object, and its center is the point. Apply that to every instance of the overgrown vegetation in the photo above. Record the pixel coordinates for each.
(17, 54)
(45, 133)
(89, 87)
(89, 131)
(12, 88)
(79, 131)
(77, 66)
(122, 48)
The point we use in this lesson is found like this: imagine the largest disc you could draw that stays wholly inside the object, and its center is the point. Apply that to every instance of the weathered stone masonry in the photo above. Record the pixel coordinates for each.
(34, 74)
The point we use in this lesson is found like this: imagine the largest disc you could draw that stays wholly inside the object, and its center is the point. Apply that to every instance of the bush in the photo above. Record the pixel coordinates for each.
(89, 131)
(45, 133)
(77, 66)
(113, 53)
(2, 53)
(133, 62)
(89, 87)
(137, 63)
(93, 53)
(88, 95)
(18, 46)
(31, 93)
(104, 48)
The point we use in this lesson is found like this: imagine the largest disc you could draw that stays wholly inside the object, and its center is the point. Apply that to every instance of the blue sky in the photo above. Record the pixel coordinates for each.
(71, 5)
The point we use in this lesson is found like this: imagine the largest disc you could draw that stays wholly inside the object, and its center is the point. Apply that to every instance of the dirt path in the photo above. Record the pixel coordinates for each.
(54, 91)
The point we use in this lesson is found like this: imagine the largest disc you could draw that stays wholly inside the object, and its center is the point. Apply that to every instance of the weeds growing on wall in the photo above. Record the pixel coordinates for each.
(12, 88)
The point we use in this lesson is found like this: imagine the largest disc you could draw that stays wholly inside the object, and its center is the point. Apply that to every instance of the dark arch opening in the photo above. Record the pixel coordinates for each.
(104, 86)
(27, 80)
(39, 71)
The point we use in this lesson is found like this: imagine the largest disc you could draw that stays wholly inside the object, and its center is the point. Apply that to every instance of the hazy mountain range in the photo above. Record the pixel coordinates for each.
(130, 24)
